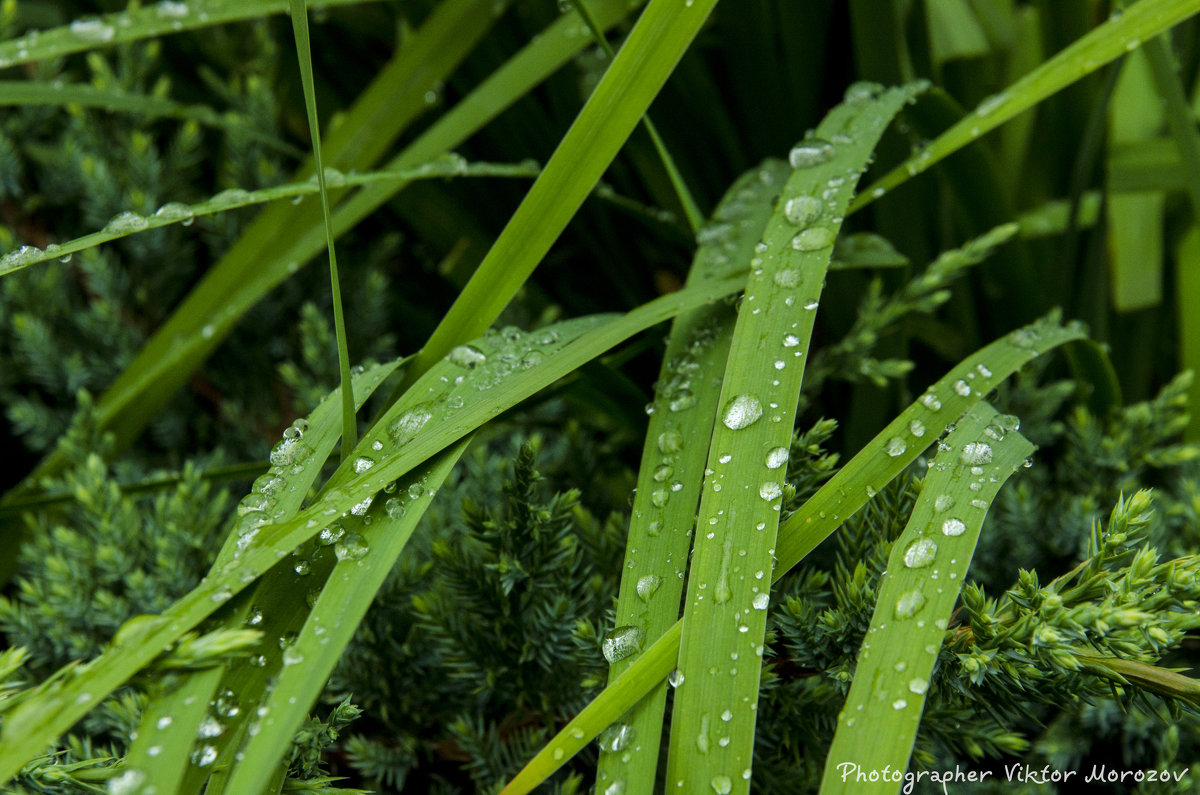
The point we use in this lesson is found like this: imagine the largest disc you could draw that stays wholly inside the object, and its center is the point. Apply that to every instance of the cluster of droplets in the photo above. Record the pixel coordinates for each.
(260, 507)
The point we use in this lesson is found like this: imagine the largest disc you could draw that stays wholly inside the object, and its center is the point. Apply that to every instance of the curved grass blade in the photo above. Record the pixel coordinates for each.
(878, 724)
(299, 13)
(167, 16)
(672, 468)
(648, 56)
(560, 351)
(27, 93)
(1106, 43)
(837, 500)
(445, 167)
(357, 576)
(173, 719)
(724, 621)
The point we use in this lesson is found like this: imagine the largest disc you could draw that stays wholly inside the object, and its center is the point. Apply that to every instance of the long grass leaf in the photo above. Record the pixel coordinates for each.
(1178, 112)
(1187, 298)
(672, 468)
(864, 475)
(304, 52)
(1106, 43)
(656, 43)
(927, 566)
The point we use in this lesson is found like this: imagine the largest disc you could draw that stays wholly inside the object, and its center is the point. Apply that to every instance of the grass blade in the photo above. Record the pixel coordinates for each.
(878, 725)
(1187, 290)
(1106, 43)
(660, 529)
(841, 497)
(304, 51)
(712, 731)
(642, 66)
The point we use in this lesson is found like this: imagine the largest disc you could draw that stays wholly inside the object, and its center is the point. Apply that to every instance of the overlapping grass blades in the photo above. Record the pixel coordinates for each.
(1100, 46)
(673, 458)
(864, 475)
(725, 609)
(927, 566)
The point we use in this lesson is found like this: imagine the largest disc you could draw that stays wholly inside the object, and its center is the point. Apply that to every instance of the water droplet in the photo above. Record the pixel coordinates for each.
(351, 547)
(410, 423)
(944, 502)
(292, 656)
(395, 508)
(962, 387)
(362, 464)
(659, 497)
(210, 727)
(647, 584)
(163, 722)
(776, 458)
(810, 152)
(920, 553)
(814, 238)
(976, 453)
(741, 412)
(682, 400)
(168, 9)
(899, 704)
(92, 30)
(895, 446)
(675, 678)
(918, 686)
(770, 490)
(622, 642)
(916, 428)
(722, 785)
(909, 603)
(991, 103)
(128, 783)
(670, 442)
(790, 340)
(803, 211)
(204, 756)
(788, 277)
(931, 402)
(761, 601)
(953, 527)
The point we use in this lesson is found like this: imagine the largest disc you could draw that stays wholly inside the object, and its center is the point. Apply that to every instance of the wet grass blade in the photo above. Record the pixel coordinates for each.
(725, 609)
(928, 563)
(656, 43)
(848, 491)
(299, 13)
(139, 23)
(672, 469)
(1102, 45)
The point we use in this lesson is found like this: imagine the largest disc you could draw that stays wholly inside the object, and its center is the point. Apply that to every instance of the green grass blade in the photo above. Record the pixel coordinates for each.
(657, 42)
(672, 466)
(343, 602)
(1106, 43)
(840, 498)
(1178, 113)
(929, 561)
(446, 167)
(1187, 291)
(304, 51)
(724, 622)
(409, 439)
(139, 23)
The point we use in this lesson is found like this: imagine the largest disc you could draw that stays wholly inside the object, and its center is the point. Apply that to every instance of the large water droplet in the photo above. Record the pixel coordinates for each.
(770, 490)
(622, 642)
(777, 458)
(953, 527)
(126, 222)
(647, 584)
(909, 603)
(741, 412)
(895, 446)
(616, 738)
(810, 152)
(409, 423)
(467, 356)
(944, 502)
(788, 277)
(976, 453)
(814, 238)
(761, 600)
(918, 686)
(670, 442)
(803, 210)
(722, 785)
(920, 553)
(351, 547)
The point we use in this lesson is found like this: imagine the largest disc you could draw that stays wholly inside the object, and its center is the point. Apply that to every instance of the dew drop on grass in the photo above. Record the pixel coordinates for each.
(976, 453)
(647, 584)
(770, 490)
(622, 642)
(682, 400)
(210, 727)
(920, 553)
(616, 738)
(675, 678)
(899, 704)
(918, 686)
(204, 756)
(943, 503)
(803, 210)
(467, 356)
(292, 656)
(788, 277)
(722, 785)
(410, 423)
(126, 222)
(127, 783)
(909, 603)
(916, 428)
(741, 412)
(776, 458)
(962, 387)
(895, 446)
(810, 152)
(670, 442)
(394, 507)
(931, 402)
(814, 238)
(362, 464)
(351, 547)
(790, 340)
(761, 601)
(95, 30)
(953, 527)
(659, 497)
(169, 9)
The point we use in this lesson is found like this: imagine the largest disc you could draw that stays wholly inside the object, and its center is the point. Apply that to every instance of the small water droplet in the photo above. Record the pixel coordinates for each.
(776, 458)
(962, 387)
(814, 238)
(722, 785)
(920, 553)
(647, 584)
(931, 402)
(895, 446)
(918, 686)
(351, 547)
(810, 152)
(953, 527)
(803, 211)
(916, 428)
(761, 601)
(976, 453)
(670, 442)
(770, 490)
(909, 603)
(944, 502)
(675, 678)
(741, 412)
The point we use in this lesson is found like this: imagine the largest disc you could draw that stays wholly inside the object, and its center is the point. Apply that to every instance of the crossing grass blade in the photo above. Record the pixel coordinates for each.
(671, 473)
(299, 13)
(445, 167)
(927, 566)
(407, 437)
(135, 24)
(725, 609)
(867, 473)
(643, 64)
(1107, 42)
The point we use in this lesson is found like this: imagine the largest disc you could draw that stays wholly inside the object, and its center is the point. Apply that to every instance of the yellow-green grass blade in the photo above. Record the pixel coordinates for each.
(1026, 51)
(124, 225)
(356, 577)
(1187, 298)
(954, 31)
(864, 475)
(672, 468)
(1179, 113)
(643, 64)
(725, 608)
(1135, 219)
(135, 24)
(1107, 42)
(299, 13)
(928, 563)
(173, 718)
(24, 93)
(405, 442)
